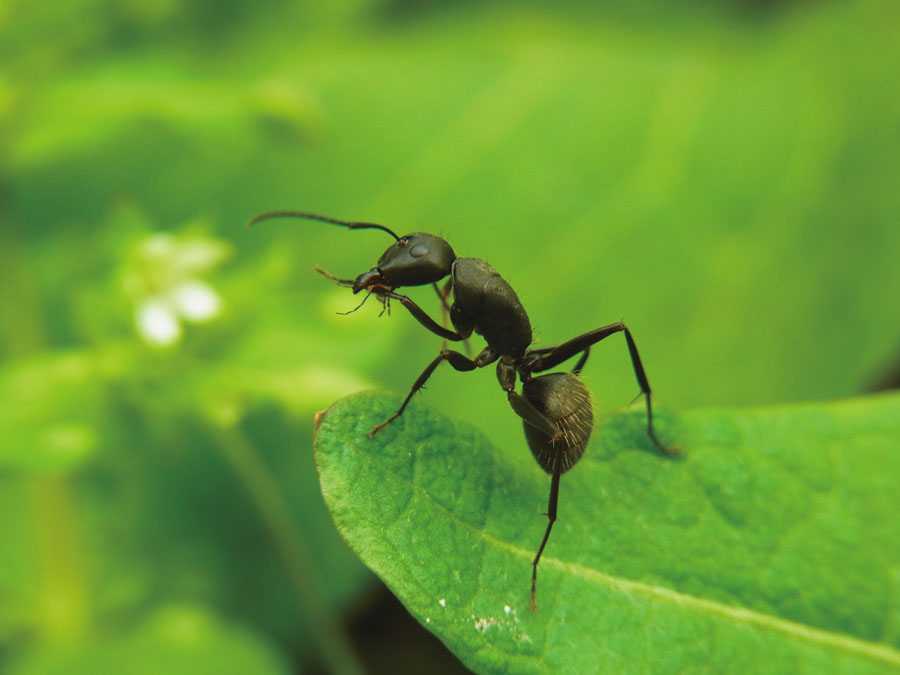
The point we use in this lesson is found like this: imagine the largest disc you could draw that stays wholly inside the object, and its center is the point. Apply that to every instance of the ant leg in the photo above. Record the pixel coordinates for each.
(547, 359)
(422, 317)
(645, 388)
(551, 516)
(445, 308)
(542, 352)
(552, 356)
(443, 294)
(584, 357)
(458, 361)
(506, 375)
(532, 415)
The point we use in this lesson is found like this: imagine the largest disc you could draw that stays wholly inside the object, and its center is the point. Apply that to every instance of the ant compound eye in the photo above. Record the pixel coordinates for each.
(418, 250)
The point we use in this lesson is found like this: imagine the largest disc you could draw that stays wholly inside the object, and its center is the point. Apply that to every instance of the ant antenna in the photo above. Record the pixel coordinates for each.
(312, 216)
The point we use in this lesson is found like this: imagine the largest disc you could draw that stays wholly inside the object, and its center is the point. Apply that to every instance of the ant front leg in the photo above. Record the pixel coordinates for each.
(459, 362)
(549, 357)
(422, 317)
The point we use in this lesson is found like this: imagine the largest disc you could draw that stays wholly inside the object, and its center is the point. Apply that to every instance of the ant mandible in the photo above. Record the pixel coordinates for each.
(555, 408)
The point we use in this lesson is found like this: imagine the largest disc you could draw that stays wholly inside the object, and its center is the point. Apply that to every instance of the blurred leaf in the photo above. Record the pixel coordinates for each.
(772, 546)
(154, 509)
(177, 639)
(101, 105)
(169, 513)
(52, 404)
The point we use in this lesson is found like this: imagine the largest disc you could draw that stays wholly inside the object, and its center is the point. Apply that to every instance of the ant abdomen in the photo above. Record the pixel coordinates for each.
(565, 401)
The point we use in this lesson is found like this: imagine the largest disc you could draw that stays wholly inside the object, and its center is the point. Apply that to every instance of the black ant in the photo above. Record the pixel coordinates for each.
(555, 408)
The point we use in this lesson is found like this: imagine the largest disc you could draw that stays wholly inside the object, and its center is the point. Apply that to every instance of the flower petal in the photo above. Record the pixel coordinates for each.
(196, 301)
(157, 323)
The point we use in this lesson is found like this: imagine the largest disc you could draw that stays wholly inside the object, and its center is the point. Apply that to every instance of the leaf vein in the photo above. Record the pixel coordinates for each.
(743, 615)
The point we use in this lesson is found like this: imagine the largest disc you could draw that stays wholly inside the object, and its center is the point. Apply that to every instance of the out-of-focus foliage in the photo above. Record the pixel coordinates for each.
(723, 177)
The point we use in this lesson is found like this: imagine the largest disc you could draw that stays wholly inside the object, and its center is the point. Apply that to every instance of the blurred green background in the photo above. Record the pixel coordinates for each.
(721, 175)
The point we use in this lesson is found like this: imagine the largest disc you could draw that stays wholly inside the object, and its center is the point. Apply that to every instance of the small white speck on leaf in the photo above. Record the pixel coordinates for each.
(442, 602)
(484, 623)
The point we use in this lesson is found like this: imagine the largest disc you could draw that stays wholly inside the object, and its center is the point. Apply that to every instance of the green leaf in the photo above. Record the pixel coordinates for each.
(772, 545)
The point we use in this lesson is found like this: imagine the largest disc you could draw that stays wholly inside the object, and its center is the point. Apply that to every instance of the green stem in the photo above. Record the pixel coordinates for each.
(264, 492)
(63, 603)
(64, 606)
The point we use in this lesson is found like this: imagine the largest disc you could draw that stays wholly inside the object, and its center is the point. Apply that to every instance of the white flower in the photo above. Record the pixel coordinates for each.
(162, 279)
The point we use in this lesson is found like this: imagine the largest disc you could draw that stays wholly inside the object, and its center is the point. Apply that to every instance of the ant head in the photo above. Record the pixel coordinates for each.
(415, 260)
